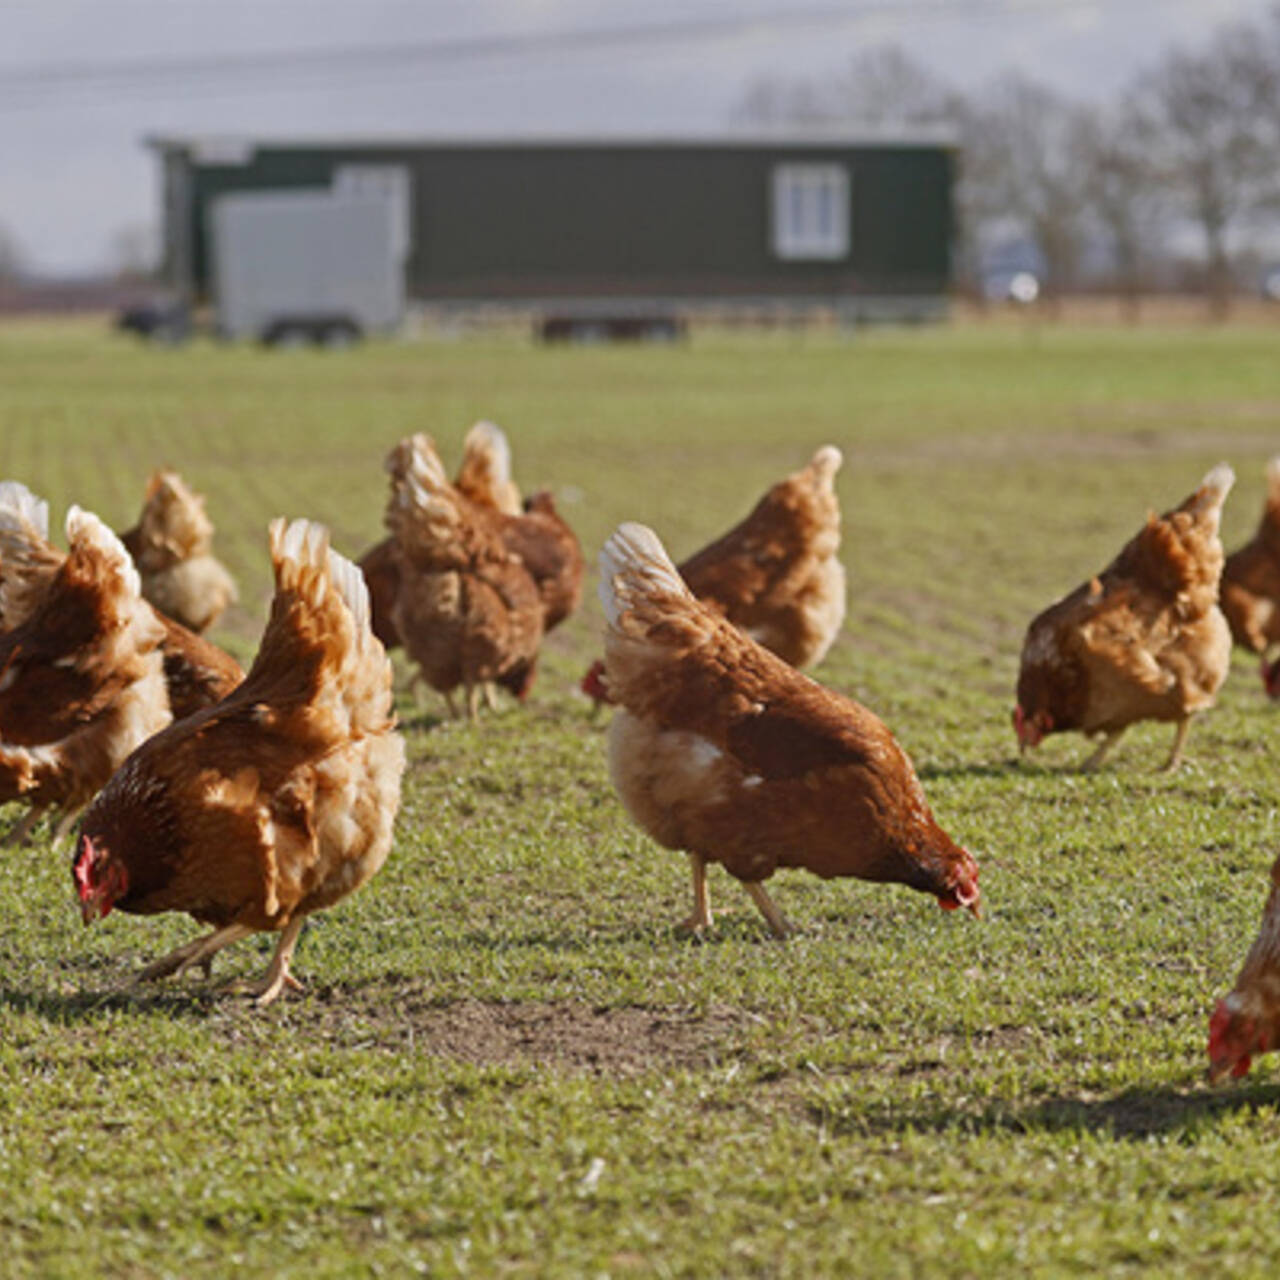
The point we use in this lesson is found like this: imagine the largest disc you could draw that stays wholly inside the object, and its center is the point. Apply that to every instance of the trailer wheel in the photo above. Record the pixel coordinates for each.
(339, 334)
(287, 335)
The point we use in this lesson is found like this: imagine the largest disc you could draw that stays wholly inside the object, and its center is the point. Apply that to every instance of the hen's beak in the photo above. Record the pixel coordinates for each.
(93, 907)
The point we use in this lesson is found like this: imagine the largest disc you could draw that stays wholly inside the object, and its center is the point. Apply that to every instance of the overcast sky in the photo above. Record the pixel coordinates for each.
(83, 81)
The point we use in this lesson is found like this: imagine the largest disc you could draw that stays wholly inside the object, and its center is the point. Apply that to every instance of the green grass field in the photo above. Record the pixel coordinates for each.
(507, 1061)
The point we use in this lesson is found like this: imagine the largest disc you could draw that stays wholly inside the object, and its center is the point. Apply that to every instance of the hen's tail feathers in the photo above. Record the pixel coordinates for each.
(424, 505)
(1273, 478)
(331, 587)
(1208, 498)
(86, 531)
(28, 560)
(486, 465)
(301, 545)
(22, 513)
(825, 463)
(635, 570)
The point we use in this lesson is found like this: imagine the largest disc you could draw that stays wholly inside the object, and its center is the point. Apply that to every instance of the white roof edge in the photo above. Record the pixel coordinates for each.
(939, 135)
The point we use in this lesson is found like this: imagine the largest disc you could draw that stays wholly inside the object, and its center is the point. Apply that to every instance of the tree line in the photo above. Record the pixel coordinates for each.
(1174, 184)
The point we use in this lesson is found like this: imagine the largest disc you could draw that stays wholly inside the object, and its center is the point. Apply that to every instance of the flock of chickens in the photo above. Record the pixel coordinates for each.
(251, 801)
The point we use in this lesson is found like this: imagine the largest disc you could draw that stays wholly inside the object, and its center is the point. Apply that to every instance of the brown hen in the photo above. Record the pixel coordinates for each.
(723, 750)
(197, 673)
(1250, 595)
(172, 545)
(274, 803)
(1246, 1021)
(1144, 640)
(775, 574)
(467, 610)
(81, 683)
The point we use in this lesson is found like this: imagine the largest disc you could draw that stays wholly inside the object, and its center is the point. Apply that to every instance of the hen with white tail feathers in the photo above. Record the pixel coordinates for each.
(81, 678)
(721, 749)
(467, 609)
(277, 801)
(1144, 640)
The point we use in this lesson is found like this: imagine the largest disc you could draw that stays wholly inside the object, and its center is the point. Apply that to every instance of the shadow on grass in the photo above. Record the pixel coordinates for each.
(572, 939)
(1013, 768)
(85, 1006)
(1135, 1115)
(422, 720)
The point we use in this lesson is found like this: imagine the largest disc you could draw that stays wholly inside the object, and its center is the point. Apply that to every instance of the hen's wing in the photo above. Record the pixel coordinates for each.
(196, 672)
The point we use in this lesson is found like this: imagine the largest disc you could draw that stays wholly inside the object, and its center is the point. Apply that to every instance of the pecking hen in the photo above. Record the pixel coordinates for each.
(272, 804)
(1144, 640)
(721, 749)
(1246, 1021)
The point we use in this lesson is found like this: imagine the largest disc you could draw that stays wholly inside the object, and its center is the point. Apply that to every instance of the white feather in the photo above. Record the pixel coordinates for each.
(633, 563)
(492, 438)
(827, 460)
(21, 510)
(84, 526)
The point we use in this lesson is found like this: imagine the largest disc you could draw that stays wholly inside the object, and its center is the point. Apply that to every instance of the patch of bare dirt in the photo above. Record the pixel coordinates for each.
(576, 1036)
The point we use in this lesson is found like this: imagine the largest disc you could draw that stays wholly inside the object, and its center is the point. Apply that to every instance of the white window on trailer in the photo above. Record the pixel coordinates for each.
(810, 212)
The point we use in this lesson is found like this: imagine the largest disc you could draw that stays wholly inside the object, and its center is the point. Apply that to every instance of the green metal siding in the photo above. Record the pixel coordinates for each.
(635, 220)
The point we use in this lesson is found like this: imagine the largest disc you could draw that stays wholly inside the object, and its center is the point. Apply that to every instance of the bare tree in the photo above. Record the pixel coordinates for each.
(1124, 199)
(881, 86)
(1023, 166)
(1205, 117)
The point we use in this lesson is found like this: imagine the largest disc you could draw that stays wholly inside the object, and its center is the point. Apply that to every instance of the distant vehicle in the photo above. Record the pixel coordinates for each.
(161, 320)
(1011, 286)
(1271, 285)
(292, 268)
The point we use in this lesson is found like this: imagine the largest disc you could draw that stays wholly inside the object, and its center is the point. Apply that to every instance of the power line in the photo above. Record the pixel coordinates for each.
(226, 72)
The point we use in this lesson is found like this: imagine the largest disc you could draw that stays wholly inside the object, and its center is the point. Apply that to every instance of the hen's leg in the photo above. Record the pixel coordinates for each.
(473, 702)
(25, 825)
(777, 924)
(448, 702)
(1179, 737)
(1104, 749)
(700, 920)
(416, 684)
(491, 695)
(278, 976)
(198, 951)
(65, 827)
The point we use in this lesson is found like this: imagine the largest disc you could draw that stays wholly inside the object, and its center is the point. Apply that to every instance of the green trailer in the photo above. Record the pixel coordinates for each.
(615, 232)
